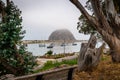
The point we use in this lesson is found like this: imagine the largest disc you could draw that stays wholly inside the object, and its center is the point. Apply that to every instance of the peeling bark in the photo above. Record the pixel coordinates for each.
(112, 13)
(89, 56)
(100, 15)
(108, 26)
(113, 17)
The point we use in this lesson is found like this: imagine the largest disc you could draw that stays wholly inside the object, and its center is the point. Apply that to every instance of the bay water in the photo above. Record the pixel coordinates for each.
(37, 50)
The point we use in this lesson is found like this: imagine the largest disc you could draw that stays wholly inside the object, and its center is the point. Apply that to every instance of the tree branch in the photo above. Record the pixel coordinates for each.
(100, 15)
(4, 62)
(14, 70)
(83, 11)
(95, 21)
(2, 12)
(92, 20)
(18, 56)
(7, 1)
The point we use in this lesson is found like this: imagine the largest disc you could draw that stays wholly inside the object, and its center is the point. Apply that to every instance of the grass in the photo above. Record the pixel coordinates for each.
(52, 65)
(105, 57)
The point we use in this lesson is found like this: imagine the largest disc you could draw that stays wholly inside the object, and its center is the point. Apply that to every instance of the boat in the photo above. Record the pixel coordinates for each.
(51, 45)
(63, 44)
(74, 44)
(41, 45)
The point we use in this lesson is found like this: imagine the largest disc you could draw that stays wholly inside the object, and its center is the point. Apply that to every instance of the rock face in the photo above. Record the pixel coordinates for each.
(62, 34)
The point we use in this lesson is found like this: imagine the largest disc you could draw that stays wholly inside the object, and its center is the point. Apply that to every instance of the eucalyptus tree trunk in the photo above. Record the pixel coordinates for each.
(89, 56)
(107, 25)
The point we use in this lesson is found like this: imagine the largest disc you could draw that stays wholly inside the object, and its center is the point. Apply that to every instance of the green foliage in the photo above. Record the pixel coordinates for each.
(49, 52)
(84, 26)
(11, 47)
(29, 62)
(50, 65)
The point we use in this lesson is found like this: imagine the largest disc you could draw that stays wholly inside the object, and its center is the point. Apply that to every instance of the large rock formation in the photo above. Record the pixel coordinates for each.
(62, 34)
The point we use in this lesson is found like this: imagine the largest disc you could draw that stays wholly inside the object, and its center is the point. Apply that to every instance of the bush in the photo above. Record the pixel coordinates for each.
(49, 52)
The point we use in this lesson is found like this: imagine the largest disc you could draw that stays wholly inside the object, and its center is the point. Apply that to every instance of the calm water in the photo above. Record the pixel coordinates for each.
(69, 48)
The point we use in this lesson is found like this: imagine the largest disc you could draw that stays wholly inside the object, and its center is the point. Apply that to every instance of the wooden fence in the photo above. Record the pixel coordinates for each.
(57, 74)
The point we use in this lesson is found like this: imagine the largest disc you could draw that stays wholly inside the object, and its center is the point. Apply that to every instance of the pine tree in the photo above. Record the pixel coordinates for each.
(14, 58)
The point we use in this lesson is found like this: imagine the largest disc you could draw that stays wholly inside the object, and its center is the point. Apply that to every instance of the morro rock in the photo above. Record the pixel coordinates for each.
(62, 34)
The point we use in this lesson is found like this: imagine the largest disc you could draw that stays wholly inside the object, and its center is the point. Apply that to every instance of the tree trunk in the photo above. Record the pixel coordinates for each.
(89, 56)
(115, 49)
(107, 25)
(11, 69)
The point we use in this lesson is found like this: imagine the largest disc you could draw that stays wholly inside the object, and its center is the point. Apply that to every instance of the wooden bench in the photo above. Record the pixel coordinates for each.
(57, 74)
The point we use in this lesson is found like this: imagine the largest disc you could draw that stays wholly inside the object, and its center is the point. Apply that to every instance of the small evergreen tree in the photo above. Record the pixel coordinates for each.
(14, 58)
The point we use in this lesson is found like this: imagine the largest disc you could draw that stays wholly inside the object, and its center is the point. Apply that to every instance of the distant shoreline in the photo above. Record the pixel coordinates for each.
(49, 41)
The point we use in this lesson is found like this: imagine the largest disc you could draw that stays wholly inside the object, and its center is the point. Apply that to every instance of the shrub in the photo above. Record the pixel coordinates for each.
(49, 52)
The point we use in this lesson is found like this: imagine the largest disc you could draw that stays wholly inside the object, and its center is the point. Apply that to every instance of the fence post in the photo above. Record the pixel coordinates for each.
(39, 77)
(70, 72)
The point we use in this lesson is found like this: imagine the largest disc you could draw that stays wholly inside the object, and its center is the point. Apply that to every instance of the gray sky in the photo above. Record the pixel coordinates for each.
(42, 17)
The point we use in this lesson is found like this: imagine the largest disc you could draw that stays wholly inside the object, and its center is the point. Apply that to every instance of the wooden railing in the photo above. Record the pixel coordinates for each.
(57, 74)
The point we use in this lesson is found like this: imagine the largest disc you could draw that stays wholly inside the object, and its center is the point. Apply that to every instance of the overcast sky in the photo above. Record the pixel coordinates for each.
(42, 17)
